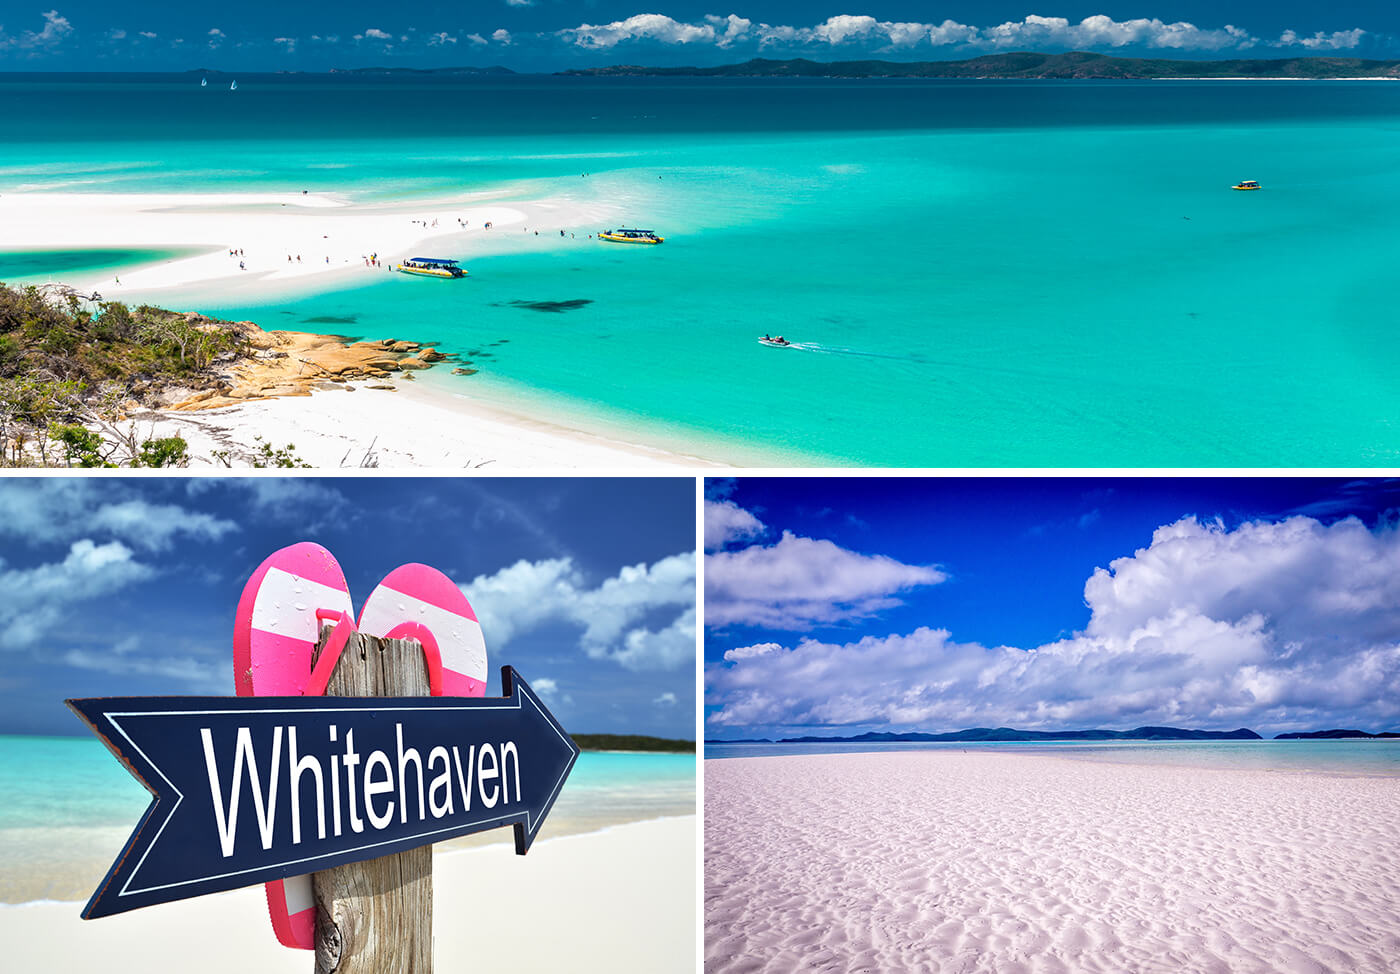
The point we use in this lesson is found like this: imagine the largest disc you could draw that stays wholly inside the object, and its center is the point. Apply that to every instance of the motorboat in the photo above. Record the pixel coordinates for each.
(430, 267)
(629, 235)
(1246, 184)
(776, 341)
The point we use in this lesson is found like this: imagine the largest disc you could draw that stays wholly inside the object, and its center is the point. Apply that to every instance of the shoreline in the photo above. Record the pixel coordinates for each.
(390, 421)
(646, 920)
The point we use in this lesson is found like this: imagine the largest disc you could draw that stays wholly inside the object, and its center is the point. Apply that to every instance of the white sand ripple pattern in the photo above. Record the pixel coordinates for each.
(965, 862)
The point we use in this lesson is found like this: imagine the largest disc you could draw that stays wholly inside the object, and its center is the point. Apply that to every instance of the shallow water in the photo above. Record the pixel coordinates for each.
(1021, 274)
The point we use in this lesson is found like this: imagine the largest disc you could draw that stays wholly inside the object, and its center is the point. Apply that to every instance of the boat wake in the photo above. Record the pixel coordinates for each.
(865, 353)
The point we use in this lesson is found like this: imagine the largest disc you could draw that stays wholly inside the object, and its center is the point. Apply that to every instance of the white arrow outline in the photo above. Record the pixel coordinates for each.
(521, 692)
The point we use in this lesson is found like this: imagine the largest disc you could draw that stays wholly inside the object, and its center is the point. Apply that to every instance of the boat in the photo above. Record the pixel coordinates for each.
(1244, 184)
(203, 82)
(233, 86)
(628, 235)
(430, 267)
(777, 341)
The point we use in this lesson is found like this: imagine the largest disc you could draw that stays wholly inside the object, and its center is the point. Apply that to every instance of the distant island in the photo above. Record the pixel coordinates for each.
(1333, 735)
(1027, 65)
(632, 742)
(1011, 734)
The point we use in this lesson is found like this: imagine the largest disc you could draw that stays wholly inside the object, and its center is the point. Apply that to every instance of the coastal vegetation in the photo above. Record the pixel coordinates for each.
(1027, 65)
(76, 371)
(71, 366)
(631, 742)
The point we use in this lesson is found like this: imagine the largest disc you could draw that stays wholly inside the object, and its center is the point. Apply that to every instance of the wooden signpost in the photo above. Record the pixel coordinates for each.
(331, 794)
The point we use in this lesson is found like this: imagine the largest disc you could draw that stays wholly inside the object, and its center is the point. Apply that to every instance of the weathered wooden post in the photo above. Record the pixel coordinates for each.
(376, 917)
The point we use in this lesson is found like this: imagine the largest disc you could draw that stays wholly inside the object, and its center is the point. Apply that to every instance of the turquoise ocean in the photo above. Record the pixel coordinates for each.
(977, 273)
(70, 806)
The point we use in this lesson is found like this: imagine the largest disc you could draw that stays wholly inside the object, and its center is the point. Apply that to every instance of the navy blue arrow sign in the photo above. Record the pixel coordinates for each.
(249, 789)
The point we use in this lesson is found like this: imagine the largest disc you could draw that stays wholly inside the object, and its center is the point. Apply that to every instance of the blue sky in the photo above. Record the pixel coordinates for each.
(117, 586)
(547, 35)
(836, 606)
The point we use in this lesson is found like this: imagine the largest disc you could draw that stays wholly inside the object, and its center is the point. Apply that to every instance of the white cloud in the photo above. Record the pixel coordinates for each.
(1281, 624)
(378, 34)
(726, 521)
(801, 582)
(1338, 40)
(56, 28)
(441, 38)
(476, 38)
(215, 32)
(520, 3)
(501, 36)
(1098, 31)
(290, 43)
(667, 699)
(654, 27)
(749, 652)
(117, 34)
(149, 35)
(613, 616)
(38, 598)
(61, 509)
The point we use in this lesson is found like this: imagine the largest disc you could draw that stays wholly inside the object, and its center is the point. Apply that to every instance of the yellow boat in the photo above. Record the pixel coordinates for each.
(1246, 184)
(631, 236)
(430, 267)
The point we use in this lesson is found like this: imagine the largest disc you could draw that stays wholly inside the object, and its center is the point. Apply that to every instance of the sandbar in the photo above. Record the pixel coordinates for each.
(937, 861)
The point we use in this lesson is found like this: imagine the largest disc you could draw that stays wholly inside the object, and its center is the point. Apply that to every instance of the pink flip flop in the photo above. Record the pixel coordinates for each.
(279, 620)
(419, 602)
(284, 605)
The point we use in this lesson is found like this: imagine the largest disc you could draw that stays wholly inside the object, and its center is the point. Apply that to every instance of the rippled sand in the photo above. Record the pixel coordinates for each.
(1007, 863)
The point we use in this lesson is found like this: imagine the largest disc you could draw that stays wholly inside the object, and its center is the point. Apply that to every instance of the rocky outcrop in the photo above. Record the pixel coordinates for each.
(288, 363)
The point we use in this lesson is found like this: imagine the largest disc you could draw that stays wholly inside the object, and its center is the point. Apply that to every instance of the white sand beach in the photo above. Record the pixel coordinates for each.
(937, 861)
(409, 427)
(618, 900)
(245, 239)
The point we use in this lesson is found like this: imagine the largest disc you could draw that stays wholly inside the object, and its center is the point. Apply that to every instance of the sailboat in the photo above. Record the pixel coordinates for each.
(233, 86)
(203, 82)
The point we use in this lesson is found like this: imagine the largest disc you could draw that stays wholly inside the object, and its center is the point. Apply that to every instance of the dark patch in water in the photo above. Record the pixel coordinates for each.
(332, 320)
(552, 307)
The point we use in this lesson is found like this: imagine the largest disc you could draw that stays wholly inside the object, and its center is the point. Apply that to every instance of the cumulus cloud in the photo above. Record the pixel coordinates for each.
(59, 510)
(289, 43)
(749, 652)
(617, 618)
(501, 36)
(726, 521)
(1338, 40)
(799, 583)
(56, 28)
(667, 699)
(1276, 624)
(149, 35)
(374, 33)
(1098, 31)
(38, 598)
(441, 38)
(654, 27)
